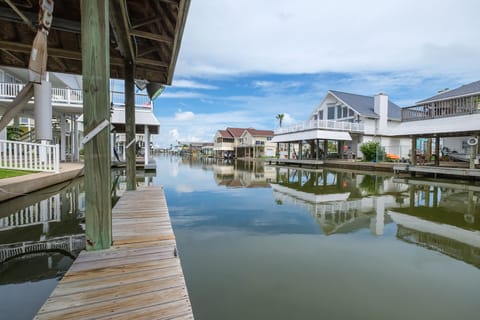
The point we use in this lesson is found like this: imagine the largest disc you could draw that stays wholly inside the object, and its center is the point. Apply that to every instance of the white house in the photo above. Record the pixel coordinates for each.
(348, 120)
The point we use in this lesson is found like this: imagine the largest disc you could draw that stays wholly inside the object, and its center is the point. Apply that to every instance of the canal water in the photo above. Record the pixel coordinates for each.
(261, 242)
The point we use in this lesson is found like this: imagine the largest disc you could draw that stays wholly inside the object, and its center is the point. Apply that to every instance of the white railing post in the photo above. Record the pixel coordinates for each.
(57, 159)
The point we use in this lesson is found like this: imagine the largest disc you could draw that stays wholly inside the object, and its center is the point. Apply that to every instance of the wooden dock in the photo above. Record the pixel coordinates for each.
(441, 171)
(140, 277)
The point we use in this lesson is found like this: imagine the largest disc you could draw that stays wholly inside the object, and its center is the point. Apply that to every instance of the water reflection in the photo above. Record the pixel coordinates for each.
(441, 216)
(438, 215)
(306, 243)
(40, 236)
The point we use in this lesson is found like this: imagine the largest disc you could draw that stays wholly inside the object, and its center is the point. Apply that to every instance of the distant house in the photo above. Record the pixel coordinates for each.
(445, 124)
(348, 120)
(243, 143)
(451, 117)
(256, 143)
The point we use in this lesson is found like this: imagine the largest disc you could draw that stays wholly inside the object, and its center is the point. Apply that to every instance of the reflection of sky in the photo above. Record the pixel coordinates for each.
(245, 256)
(32, 295)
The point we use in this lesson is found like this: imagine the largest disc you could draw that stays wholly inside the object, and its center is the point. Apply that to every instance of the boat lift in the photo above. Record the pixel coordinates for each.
(37, 67)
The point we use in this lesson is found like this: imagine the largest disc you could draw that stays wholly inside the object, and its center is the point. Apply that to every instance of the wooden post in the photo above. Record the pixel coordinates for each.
(325, 149)
(96, 109)
(413, 153)
(437, 151)
(130, 133)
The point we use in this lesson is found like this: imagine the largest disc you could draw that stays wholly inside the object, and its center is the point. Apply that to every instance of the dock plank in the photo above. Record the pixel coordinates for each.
(139, 277)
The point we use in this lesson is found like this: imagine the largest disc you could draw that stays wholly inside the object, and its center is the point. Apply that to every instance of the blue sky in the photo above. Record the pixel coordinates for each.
(242, 62)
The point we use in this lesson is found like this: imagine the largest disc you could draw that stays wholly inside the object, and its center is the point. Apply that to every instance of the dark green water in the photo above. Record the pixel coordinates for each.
(295, 244)
(261, 242)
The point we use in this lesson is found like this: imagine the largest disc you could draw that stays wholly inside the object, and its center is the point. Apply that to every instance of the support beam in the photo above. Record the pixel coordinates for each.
(413, 152)
(75, 142)
(437, 151)
(63, 137)
(119, 24)
(96, 72)
(151, 36)
(130, 125)
(325, 149)
(147, 146)
(21, 15)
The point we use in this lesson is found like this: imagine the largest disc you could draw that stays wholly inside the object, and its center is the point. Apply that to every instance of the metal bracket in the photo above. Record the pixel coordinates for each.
(95, 131)
(130, 143)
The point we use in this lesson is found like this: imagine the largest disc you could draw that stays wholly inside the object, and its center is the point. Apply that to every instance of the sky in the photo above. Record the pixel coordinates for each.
(243, 62)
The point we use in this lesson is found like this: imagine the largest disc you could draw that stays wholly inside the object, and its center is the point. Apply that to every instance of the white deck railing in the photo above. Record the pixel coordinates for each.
(29, 156)
(70, 244)
(8, 91)
(322, 124)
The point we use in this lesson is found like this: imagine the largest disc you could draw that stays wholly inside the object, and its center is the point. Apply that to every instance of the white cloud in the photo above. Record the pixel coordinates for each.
(184, 115)
(307, 36)
(182, 83)
(174, 134)
(288, 119)
(406, 48)
(182, 94)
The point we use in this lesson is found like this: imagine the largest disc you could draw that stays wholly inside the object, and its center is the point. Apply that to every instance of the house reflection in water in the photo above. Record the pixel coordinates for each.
(441, 216)
(341, 202)
(243, 174)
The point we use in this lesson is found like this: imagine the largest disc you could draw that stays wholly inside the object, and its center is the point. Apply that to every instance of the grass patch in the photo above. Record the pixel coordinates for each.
(8, 173)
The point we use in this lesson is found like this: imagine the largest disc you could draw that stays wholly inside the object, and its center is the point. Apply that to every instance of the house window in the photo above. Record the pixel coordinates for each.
(320, 115)
(339, 111)
(350, 113)
(315, 117)
(331, 113)
(269, 138)
(345, 112)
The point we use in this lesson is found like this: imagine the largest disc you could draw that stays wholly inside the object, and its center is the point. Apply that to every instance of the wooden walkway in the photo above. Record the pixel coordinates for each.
(140, 277)
(444, 171)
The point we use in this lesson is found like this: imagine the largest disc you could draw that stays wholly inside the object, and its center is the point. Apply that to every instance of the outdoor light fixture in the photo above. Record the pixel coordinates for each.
(141, 83)
(154, 89)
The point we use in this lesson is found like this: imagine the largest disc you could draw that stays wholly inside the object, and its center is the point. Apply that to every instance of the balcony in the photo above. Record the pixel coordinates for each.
(73, 97)
(322, 125)
(442, 109)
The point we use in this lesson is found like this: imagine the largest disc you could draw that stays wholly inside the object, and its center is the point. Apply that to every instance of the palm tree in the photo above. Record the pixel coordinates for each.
(280, 118)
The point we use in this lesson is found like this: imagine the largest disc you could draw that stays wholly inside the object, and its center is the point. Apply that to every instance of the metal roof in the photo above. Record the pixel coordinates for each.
(364, 105)
(465, 90)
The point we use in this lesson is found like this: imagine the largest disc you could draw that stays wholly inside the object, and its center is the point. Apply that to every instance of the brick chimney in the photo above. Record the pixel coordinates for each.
(380, 107)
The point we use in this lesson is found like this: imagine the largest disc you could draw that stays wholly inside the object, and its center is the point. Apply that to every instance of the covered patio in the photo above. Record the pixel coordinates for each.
(309, 147)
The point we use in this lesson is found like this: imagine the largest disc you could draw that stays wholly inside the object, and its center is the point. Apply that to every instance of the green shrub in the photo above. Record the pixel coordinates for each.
(372, 151)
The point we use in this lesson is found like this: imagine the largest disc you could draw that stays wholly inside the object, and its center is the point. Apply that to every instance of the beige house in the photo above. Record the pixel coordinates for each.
(256, 143)
(243, 143)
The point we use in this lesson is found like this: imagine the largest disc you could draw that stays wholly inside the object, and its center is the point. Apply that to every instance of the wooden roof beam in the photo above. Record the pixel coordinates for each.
(120, 26)
(151, 36)
(172, 2)
(21, 15)
(13, 57)
(145, 22)
(150, 62)
(52, 52)
(147, 51)
(180, 25)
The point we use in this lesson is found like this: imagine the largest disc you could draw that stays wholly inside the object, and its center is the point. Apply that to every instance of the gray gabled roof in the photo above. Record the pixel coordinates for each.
(364, 104)
(465, 90)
